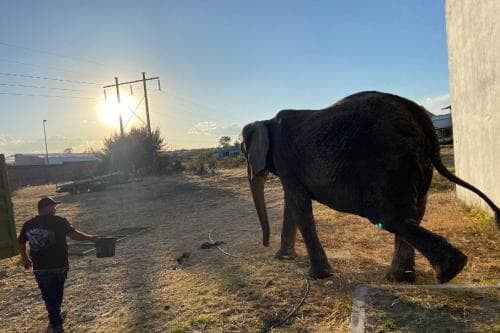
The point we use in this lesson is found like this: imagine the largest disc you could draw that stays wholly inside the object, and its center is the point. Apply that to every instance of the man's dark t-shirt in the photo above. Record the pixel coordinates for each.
(47, 237)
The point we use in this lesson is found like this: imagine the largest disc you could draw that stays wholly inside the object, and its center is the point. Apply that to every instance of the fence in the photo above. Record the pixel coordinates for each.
(23, 175)
(8, 243)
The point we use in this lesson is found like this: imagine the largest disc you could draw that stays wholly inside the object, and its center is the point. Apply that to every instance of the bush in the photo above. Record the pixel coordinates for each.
(136, 152)
(202, 163)
(232, 162)
(168, 165)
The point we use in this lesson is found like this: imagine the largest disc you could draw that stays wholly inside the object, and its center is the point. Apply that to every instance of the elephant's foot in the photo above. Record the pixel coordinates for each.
(320, 272)
(285, 254)
(450, 265)
(407, 276)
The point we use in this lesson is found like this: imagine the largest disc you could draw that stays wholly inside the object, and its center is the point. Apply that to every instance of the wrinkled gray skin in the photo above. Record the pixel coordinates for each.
(370, 154)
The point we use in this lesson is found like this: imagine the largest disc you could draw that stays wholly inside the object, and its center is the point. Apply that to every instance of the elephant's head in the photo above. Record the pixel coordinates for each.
(255, 146)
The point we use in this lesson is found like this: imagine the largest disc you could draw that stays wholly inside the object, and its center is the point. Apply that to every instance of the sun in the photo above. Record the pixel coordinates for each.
(109, 111)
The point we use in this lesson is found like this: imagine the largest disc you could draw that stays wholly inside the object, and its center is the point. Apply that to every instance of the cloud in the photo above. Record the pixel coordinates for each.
(203, 128)
(436, 103)
(210, 128)
(6, 140)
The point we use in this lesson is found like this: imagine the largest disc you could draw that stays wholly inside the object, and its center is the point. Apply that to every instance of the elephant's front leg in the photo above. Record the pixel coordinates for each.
(288, 237)
(299, 212)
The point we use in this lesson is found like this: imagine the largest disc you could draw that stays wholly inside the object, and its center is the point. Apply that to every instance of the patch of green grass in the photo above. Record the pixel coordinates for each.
(456, 302)
(386, 324)
(482, 221)
(197, 320)
(493, 328)
(179, 328)
(193, 321)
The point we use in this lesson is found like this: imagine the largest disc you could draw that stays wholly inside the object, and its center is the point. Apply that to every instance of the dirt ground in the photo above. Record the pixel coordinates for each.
(145, 289)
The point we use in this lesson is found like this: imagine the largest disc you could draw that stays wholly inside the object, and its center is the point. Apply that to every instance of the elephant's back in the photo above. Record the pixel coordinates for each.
(361, 145)
(367, 124)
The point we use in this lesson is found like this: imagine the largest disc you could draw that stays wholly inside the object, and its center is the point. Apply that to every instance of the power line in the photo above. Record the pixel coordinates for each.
(52, 53)
(49, 78)
(188, 100)
(44, 95)
(190, 116)
(55, 54)
(37, 87)
(210, 115)
(45, 66)
(37, 65)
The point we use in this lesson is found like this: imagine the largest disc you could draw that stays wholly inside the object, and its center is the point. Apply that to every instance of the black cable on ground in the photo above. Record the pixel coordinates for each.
(294, 309)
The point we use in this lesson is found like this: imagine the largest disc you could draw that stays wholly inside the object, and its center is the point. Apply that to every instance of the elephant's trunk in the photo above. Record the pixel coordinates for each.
(257, 187)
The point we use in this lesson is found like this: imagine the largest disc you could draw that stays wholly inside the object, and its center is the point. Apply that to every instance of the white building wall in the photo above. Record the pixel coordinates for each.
(473, 28)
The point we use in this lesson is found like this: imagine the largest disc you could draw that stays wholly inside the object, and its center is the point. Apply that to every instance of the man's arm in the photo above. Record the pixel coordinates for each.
(24, 255)
(80, 236)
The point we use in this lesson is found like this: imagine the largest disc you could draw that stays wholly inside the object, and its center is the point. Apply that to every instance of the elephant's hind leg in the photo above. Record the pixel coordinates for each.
(446, 260)
(403, 262)
(402, 268)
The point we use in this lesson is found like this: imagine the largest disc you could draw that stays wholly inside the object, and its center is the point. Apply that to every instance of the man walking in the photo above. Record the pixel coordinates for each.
(46, 234)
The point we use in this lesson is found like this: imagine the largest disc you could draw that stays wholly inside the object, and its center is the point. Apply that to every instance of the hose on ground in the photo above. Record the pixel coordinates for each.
(292, 312)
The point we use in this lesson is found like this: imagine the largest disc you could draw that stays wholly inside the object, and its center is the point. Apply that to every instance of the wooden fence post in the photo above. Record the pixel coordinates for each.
(8, 239)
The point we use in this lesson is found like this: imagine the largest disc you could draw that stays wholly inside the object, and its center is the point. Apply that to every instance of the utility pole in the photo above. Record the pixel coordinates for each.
(46, 149)
(118, 99)
(146, 103)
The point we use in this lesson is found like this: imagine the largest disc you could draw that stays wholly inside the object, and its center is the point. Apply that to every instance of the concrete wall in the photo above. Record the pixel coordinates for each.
(473, 29)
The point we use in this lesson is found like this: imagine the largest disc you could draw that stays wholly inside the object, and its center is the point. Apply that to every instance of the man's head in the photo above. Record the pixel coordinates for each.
(47, 206)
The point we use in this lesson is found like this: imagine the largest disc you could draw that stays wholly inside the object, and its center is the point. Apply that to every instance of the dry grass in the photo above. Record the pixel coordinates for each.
(432, 310)
(143, 288)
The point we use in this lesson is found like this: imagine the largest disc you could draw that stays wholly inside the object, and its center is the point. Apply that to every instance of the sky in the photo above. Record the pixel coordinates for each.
(221, 64)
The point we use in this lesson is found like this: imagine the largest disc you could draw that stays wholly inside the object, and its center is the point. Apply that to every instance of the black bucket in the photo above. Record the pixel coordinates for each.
(105, 247)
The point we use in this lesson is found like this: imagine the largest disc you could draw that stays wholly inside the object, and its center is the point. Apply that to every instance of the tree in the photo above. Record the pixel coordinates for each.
(68, 150)
(224, 141)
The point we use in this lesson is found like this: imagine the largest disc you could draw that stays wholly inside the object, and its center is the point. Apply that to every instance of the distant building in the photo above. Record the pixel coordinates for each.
(444, 129)
(25, 159)
(54, 159)
(227, 152)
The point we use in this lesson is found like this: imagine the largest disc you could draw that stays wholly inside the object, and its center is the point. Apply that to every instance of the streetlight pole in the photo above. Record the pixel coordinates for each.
(46, 149)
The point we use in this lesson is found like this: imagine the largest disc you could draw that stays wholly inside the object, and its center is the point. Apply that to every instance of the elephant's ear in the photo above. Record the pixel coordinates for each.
(257, 150)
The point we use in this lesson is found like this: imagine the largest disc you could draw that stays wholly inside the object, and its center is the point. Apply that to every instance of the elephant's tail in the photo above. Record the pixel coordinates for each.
(438, 164)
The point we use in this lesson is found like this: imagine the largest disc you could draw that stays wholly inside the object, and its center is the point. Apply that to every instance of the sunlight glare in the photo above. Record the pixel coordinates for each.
(109, 111)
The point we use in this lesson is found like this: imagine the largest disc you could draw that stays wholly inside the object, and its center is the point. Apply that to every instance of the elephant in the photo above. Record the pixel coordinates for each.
(370, 154)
